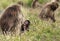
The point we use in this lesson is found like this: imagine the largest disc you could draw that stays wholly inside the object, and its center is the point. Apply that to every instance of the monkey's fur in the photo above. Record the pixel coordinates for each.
(25, 26)
(48, 10)
(34, 3)
(11, 19)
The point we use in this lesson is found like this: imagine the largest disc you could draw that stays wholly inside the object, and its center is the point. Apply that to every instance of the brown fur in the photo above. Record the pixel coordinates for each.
(34, 3)
(11, 19)
(48, 11)
(20, 2)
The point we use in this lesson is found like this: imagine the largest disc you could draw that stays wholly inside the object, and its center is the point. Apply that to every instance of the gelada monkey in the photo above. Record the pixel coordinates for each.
(47, 11)
(12, 18)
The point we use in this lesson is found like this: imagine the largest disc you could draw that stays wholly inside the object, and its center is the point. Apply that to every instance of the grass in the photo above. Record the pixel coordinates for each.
(39, 30)
(9, 38)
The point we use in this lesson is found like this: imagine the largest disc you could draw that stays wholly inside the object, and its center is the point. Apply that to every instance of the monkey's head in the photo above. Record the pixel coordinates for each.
(20, 3)
(27, 22)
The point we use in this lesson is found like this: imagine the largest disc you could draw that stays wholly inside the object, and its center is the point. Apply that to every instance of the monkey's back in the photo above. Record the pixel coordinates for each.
(10, 18)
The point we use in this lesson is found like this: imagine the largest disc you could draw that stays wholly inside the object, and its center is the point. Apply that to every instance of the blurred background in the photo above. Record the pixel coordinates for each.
(5, 3)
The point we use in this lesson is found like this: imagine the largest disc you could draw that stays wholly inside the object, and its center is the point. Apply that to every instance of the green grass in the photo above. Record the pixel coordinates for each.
(39, 30)
(9, 38)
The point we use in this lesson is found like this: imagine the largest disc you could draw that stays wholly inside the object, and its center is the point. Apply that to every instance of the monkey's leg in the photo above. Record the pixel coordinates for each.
(52, 18)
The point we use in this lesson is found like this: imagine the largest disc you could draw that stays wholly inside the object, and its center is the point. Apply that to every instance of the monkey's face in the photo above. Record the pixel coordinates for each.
(27, 22)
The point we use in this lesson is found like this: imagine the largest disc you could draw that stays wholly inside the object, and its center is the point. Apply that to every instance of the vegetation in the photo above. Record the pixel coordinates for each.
(39, 30)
